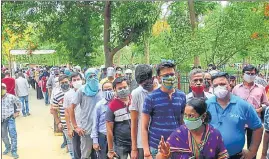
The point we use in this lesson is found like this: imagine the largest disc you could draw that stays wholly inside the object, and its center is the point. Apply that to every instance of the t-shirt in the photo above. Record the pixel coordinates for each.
(68, 98)
(118, 113)
(231, 121)
(87, 105)
(138, 98)
(58, 100)
(165, 114)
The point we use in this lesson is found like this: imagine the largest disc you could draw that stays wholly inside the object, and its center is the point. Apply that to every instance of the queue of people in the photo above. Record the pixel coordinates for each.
(143, 116)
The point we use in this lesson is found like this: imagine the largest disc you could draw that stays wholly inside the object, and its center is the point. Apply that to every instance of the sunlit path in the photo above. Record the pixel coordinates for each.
(35, 134)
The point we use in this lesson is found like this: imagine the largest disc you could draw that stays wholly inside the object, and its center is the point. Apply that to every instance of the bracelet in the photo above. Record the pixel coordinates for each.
(166, 155)
(111, 150)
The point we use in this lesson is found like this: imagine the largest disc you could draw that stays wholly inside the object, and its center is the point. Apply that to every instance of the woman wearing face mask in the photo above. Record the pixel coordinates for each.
(196, 138)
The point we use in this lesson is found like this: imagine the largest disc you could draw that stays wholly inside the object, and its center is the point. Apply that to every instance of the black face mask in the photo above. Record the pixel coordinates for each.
(148, 85)
(207, 84)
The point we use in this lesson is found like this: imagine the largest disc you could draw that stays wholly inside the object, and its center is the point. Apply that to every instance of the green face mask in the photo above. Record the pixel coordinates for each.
(3, 92)
(193, 123)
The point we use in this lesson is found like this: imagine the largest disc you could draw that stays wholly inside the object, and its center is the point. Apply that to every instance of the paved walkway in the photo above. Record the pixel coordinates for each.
(36, 139)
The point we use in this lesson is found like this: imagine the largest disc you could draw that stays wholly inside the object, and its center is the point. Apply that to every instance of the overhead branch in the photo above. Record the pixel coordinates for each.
(94, 8)
(126, 42)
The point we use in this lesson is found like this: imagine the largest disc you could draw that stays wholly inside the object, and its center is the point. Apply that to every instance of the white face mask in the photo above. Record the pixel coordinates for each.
(220, 92)
(77, 84)
(249, 78)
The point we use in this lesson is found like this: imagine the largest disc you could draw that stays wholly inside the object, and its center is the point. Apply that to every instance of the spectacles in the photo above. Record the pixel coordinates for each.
(220, 74)
(167, 61)
(167, 75)
(251, 74)
(196, 80)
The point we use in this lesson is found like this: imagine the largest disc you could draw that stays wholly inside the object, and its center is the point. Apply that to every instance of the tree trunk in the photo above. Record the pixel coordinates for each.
(193, 26)
(146, 49)
(132, 58)
(107, 26)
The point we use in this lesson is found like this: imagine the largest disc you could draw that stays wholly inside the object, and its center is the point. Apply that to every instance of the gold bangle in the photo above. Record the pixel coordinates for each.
(166, 155)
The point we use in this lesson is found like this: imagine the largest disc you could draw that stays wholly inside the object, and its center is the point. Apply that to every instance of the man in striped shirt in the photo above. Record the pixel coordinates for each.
(58, 99)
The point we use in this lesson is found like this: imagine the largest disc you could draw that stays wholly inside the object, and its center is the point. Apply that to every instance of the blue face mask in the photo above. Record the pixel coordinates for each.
(93, 83)
(108, 95)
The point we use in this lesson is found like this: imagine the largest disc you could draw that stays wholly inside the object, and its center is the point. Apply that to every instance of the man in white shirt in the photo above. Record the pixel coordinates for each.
(22, 91)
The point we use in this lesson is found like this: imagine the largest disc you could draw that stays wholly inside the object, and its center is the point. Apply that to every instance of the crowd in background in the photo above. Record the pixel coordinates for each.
(118, 112)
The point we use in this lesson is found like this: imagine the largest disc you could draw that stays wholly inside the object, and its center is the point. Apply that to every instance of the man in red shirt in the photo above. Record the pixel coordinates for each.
(9, 82)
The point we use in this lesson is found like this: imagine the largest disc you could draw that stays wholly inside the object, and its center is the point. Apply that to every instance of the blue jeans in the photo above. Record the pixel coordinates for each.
(8, 127)
(25, 104)
(123, 151)
(69, 144)
(46, 96)
(102, 154)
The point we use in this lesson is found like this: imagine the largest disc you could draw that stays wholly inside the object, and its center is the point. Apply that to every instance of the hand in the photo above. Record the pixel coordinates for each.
(15, 115)
(134, 154)
(148, 154)
(246, 154)
(164, 147)
(96, 147)
(60, 126)
(80, 131)
(263, 157)
(111, 154)
(70, 133)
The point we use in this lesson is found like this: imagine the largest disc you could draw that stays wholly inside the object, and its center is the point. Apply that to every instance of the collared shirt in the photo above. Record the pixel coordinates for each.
(206, 96)
(8, 102)
(255, 95)
(22, 87)
(165, 114)
(87, 105)
(138, 97)
(231, 121)
(69, 96)
(99, 120)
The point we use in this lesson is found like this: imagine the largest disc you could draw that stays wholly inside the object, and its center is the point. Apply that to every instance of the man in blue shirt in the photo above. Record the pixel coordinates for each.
(164, 107)
(230, 114)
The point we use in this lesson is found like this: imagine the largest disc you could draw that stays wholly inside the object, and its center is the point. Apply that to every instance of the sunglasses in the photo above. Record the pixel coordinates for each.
(220, 74)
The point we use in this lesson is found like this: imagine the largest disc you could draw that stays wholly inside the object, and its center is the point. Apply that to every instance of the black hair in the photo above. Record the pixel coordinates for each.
(220, 74)
(214, 67)
(118, 80)
(232, 77)
(62, 77)
(164, 65)
(106, 83)
(143, 72)
(200, 106)
(75, 74)
(250, 68)
(118, 68)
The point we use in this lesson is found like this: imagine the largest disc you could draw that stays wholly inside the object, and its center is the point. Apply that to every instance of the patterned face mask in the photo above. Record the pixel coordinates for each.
(169, 82)
(108, 95)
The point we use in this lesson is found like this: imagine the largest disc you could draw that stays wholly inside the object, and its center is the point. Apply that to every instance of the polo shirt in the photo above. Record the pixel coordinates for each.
(165, 114)
(231, 121)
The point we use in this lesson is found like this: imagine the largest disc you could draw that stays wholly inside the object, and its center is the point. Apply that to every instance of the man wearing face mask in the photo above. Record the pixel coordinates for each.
(232, 82)
(76, 82)
(131, 82)
(164, 107)
(143, 75)
(99, 121)
(58, 108)
(87, 97)
(118, 121)
(110, 76)
(251, 92)
(196, 78)
(208, 82)
(230, 114)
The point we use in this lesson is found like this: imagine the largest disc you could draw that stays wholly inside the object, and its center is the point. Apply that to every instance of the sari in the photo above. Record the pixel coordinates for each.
(183, 145)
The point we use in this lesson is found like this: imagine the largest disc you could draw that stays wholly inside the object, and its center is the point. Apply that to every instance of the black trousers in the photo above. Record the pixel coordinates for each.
(249, 137)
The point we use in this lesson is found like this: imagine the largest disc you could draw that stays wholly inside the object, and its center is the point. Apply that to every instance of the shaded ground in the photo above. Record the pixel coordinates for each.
(36, 139)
